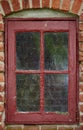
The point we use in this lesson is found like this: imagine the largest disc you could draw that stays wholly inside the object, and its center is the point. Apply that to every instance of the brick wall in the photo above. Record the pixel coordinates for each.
(10, 6)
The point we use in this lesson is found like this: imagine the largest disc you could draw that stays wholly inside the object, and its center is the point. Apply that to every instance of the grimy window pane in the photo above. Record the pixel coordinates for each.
(28, 92)
(56, 93)
(27, 50)
(56, 50)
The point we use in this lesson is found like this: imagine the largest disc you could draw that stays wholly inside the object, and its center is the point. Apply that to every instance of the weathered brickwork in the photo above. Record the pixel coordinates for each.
(76, 6)
(25, 4)
(15, 5)
(70, 6)
(56, 4)
(66, 5)
(36, 4)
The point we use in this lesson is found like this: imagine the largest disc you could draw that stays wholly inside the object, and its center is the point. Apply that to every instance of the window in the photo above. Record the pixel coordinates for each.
(41, 71)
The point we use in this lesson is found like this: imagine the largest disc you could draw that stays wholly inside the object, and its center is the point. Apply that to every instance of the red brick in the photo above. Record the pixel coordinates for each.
(1, 47)
(76, 6)
(81, 17)
(16, 5)
(81, 87)
(36, 3)
(1, 88)
(81, 53)
(2, 127)
(81, 26)
(81, 77)
(81, 47)
(81, 127)
(1, 57)
(1, 17)
(1, 27)
(81, 37)
(25, 4)
(66, 5)
(31, 128)
(1, 107)
(81, 118)
(81, 108)
(80, 58)
(81, 97)
(6, 6)
(1, 67)
(81, 67)
(56, 4)
(1, 77)
(48, 127)
(45, 3)
(0, 118)
(78, 128)
(1, 98)
(1, 37)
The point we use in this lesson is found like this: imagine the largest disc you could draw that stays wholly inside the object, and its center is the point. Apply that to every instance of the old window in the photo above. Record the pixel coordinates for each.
(41, 71)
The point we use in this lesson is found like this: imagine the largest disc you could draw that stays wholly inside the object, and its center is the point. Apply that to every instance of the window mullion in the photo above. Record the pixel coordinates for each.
(42, 73)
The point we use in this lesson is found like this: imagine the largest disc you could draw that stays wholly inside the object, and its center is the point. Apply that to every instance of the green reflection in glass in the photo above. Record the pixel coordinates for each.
(56, 50)
(56, 93)
(28, 92)
(28, 50)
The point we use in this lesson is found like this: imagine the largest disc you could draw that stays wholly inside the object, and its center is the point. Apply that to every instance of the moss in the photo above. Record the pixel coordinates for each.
(14, 128)
(37, 13)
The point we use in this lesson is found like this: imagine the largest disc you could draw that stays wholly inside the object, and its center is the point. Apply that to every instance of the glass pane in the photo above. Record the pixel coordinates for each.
(56, 92)
(56, 50)
(28, 93)
(28, 50)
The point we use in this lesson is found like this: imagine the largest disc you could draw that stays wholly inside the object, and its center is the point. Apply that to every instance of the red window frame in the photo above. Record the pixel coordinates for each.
(60, 25)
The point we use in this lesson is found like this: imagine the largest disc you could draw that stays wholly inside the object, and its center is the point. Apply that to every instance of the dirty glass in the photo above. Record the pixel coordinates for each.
(56, 92)
(56, 50)
(27, 50)
(28, 92)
